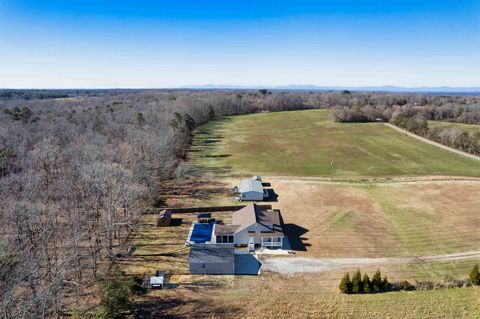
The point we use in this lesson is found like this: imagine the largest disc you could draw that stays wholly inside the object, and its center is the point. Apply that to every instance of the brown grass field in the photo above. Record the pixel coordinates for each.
(380, 220)
(302, 296)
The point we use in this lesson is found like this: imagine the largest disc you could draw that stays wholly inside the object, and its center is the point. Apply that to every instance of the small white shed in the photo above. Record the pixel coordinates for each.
(251, 189)
(157, 281)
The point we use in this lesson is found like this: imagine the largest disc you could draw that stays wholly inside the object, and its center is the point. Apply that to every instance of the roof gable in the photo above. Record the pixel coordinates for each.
(252, 214)
(250, 185)
(211, 254)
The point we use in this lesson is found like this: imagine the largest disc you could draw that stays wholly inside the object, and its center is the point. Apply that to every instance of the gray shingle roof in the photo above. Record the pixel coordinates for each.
(254, 213)
(225, 229)
(212, 254)
(250, 185)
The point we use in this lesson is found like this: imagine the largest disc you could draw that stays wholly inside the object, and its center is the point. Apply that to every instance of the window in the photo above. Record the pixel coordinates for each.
(225, 239)
(203, 266)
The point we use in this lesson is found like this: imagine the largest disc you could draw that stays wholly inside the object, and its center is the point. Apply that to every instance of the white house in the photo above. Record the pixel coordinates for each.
(252, 226)
(251, 189)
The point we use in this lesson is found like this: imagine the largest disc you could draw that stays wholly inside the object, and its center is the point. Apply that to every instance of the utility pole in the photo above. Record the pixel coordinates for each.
(332, 164)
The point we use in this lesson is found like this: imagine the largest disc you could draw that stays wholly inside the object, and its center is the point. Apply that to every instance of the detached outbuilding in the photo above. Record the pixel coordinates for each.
(251, 189)
(164, 218)
(212, 260)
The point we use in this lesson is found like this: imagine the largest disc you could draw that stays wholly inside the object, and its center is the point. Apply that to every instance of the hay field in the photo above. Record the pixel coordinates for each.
(304, 143)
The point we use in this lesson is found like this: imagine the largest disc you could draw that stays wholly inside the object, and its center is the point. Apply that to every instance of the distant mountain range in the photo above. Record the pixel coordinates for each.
(386, 88)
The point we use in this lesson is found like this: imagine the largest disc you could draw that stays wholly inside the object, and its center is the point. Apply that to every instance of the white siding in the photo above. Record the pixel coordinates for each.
(252, 195)
(241, 238)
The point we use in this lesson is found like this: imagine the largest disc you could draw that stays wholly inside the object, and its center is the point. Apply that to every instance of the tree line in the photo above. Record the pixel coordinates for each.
(364, 285)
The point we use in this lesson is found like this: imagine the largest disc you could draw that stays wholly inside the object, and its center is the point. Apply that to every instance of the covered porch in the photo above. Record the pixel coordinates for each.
(271, 241)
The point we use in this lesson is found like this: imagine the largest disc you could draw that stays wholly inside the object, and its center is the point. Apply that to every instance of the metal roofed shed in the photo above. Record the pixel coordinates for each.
(212, 260)
(158, 281)
(164, 218)
(251, 189)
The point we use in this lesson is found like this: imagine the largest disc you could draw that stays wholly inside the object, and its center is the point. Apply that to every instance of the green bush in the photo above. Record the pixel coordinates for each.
(367, 284)
(115, 290)
(385, 284)
(377, 285)
(345, 285)
(357, 284)
(405, 285)
(475, 275)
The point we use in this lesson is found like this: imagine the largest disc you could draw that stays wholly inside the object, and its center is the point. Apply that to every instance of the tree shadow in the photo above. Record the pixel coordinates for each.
(217, 156)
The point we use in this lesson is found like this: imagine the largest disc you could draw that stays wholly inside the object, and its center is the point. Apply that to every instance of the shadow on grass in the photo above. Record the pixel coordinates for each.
(272, 196)
(294, 233)
(180, 307)
(217, 156)
(175, 222)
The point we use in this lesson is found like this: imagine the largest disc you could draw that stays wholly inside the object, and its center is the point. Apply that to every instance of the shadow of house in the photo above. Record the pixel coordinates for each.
(272, 196)
(247, 264)
(294, 233)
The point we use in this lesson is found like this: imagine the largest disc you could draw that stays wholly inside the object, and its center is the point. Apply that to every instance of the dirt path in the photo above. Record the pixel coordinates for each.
(396, 180)
(292, 265)
(432, 142)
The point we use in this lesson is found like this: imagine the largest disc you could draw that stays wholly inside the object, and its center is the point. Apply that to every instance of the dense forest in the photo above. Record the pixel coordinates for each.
(77, 171)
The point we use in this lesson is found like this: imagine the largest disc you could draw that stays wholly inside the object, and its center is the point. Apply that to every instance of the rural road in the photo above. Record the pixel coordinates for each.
(292, 265)
(396, 128)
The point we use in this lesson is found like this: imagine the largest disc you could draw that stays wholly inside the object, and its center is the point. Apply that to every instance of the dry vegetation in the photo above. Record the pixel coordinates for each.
(306, 296)
(77, 172)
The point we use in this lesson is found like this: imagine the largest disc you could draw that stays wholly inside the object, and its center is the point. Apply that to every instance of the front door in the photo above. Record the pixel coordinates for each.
(251, 244)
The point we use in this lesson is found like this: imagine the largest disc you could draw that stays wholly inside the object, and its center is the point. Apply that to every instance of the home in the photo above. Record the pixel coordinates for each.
(251, 189)
(252, 226)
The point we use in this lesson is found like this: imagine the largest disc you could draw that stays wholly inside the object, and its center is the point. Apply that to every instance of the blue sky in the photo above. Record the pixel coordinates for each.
(86, 43)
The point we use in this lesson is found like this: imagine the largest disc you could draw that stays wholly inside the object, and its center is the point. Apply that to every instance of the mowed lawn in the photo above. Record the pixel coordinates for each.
(470, 128)
(305, 143)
